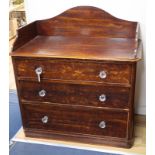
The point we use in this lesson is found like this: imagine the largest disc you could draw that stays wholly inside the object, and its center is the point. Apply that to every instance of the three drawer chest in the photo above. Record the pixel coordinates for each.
(75, 75)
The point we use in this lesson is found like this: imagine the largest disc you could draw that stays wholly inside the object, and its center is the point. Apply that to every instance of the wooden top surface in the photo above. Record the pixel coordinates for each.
(121, 49)
(82, 32)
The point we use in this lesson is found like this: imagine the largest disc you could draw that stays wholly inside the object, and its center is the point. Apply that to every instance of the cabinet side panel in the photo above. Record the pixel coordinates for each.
(131, 103)
(17, 86)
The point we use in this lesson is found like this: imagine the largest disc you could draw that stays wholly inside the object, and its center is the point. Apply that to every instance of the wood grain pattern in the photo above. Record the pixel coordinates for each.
(64, 119)
(87, 139)
(139, 146)
(80, 48)
(90, 36)
(72, 49)
(74, 70)
(75, 94)
(87, 21)
(24, 35)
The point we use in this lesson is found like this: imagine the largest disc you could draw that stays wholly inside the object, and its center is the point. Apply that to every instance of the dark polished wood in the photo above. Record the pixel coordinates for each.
(77, 103)
(70, 35)
(24, 35)
(87, 21)
(123, 49)
(70, 119)
(112, 141)
(74, 70)
(75, 94)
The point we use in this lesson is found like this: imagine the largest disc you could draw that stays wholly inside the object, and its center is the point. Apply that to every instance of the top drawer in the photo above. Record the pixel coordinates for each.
(81, 70)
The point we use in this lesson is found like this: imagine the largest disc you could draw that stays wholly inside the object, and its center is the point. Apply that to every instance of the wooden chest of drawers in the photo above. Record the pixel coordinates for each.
(75, 76)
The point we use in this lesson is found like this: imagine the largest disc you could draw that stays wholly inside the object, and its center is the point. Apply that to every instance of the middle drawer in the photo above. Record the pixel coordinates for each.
(75, 94)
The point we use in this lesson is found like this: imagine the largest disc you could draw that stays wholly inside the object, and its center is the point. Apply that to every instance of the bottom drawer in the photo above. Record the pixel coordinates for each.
(71, 119)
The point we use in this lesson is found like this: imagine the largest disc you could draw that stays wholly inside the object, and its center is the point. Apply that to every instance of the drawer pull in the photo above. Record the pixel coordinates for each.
(42, 93)
(44, 119)
(102, 124)
(102, 98)
(102, 74)
(38, 71)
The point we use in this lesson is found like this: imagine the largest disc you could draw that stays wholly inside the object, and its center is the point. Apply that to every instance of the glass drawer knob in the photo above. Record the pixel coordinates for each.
(102, 124)
(42, 93)
(44, 119)
(102, 98)
(102, 74)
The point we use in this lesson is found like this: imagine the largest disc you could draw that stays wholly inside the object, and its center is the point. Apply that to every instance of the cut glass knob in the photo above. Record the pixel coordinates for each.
(102, 124)
(42, 93)
(44, 119)
(102, 74)
(102, 97)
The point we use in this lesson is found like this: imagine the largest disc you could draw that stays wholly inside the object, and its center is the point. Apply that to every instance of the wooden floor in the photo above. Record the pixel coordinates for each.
(139, 147)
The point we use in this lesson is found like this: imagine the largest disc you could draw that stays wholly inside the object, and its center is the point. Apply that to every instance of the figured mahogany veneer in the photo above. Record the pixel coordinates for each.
(74, 70)
(80, 48)
(65, 119)
(84, 91)
(75, 94)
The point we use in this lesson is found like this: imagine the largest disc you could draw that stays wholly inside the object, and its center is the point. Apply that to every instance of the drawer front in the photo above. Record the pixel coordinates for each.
(75, 120)
(75, 94)
(74, 70)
